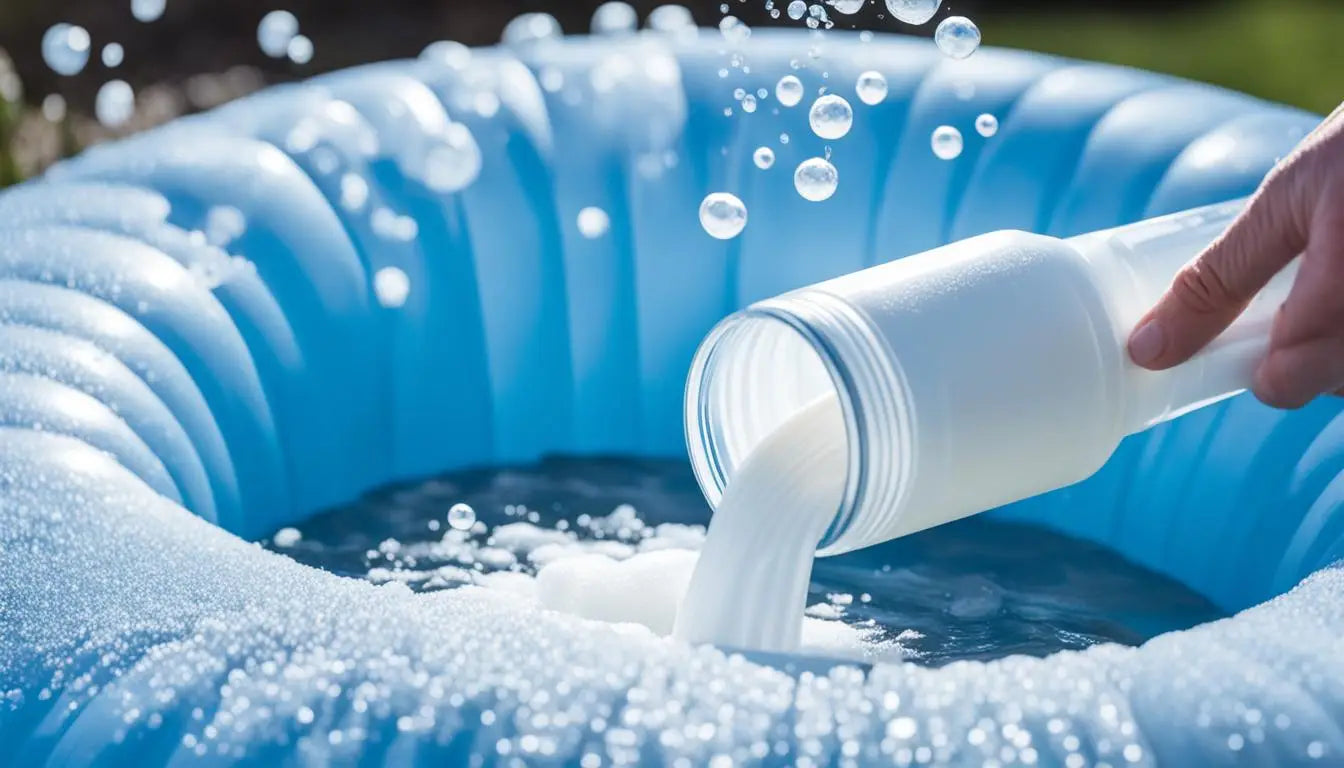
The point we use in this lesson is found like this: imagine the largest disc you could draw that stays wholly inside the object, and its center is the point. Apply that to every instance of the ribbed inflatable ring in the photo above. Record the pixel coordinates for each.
(162, 398)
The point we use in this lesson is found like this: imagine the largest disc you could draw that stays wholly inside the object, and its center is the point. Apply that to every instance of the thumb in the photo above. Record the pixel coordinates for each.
(1210, 292)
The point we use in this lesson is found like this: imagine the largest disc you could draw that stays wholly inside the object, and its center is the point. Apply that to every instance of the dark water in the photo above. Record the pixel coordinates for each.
(975, 589)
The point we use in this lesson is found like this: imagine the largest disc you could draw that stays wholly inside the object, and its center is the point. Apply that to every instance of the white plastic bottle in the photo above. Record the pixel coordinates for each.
(969, 376)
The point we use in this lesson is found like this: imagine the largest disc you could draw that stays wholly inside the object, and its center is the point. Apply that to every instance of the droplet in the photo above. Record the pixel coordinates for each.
(614, 18)
(65, 48)
(461, 517)
(734, 30)
(275, 31)
(531, 28)
(816, 179)
(113, 55)
(986, 125)
(114, 104)
(831, 117)
(789, 91)
(391, 285)
(593, 222)
(914, 11)
(723, 215)
(454, 161)
(847, 7)
(300, 49)
(947, 142)
(148, 10)
(957, 36)
(764, 158)
(797, 9)
(871, 88)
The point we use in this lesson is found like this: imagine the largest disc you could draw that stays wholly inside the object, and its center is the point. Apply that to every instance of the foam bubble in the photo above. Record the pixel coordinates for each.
(957, 37)
(593, 222)
(816, 179)
(947, 142)
(723, 215)
(65, 48)
(275, 31)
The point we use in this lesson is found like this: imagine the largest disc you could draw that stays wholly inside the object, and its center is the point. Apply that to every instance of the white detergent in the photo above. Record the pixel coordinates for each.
(750, 585)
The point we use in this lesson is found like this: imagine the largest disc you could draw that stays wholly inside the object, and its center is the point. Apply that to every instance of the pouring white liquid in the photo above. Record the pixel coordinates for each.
(779, 505)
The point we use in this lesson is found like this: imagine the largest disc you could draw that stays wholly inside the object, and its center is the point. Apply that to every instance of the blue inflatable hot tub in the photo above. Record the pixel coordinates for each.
(163, 400)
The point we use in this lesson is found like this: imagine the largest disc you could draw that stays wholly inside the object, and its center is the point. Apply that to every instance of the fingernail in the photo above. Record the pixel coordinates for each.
(1147, 343)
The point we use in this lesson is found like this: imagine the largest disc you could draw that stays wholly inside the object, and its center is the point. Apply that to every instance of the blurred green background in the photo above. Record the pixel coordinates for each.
(203, 52)
(1289, 51)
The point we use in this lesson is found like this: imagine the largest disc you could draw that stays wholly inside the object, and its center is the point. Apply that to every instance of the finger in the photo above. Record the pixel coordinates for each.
(1292, 377)
(1210, 292)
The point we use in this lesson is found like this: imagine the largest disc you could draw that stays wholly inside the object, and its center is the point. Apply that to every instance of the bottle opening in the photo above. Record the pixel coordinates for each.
(755, 372)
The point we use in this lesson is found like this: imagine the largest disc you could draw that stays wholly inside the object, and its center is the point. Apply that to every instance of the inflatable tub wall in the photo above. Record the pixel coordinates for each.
(163, 400)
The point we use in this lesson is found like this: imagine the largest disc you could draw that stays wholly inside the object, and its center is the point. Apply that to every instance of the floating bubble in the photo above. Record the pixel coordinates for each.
(148, 10)
(593, 222)
(847, 7)
(789, 91)
(831, 117)
(531, 28)
(614, 18)
(113, 55)
(114, 104)
(957, 36)
(986, 125)
(797, 10)
(871, 88)
(391, 285)
(65, 49)
(275, 31)
(300, 49)
(749, 103)
(947, 142)
(461, 517)
(816, 179)
(286, 537)
(723, 215)
(914, 11)
(734, 30)
(454, 161)
(817, 17)
(671, 19)
(764, 158)
(449, 53)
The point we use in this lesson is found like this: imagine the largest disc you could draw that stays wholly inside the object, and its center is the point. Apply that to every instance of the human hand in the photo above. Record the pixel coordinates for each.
(1299, 209)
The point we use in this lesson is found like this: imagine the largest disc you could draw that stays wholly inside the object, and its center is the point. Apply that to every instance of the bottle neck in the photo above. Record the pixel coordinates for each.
(1136, 264)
